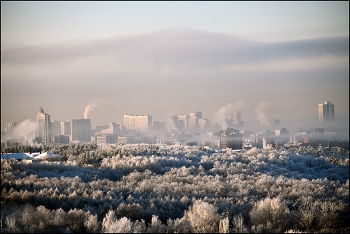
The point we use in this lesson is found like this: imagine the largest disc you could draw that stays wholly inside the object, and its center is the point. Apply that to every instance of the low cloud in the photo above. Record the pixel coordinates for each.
(176, 48)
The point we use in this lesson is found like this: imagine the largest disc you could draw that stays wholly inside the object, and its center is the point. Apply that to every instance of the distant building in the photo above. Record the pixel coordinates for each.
(60, 139)
(44, 127)
(274, 122)
(80, 130)
(236, 116)
(231, 138)
(141, 123)
(55, 127)
(124, 139)
(105, 139)
(194, 120)
(99, 129)
(235, 120)
(115, 128)
(182, 122)
(325, 112)
(65, 128)
(281, 132)
(204, 124)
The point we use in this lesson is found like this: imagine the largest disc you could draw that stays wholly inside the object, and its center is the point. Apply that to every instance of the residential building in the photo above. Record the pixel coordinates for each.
(231, 138)
(65, 128)
(80, 130)
(55, 127)
(60, 139)
(140, 123)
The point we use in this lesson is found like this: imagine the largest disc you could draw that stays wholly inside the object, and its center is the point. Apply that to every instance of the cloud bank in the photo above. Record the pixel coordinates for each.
(176, 69)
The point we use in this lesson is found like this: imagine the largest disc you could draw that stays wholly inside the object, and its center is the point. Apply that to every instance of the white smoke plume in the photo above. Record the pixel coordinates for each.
(103, 105)
(224, 112)
(25, 132)
(88, 109)
(171, 125)
(259, 113)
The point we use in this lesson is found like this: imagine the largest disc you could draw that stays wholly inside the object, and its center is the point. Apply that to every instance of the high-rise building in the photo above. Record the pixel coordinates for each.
(326, 112)
(236, 116)
(44, 127)
(115, 128)
(65, 128)
(141, 123)
(182, 122)
(194, 119)
(231, 138)
(55, 127)
(80, 130)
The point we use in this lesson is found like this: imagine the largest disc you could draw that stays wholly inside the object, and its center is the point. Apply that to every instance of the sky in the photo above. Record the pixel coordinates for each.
(101, 60)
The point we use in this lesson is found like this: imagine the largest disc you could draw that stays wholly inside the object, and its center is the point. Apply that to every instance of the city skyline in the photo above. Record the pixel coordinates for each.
(193, 121)
(269, 60)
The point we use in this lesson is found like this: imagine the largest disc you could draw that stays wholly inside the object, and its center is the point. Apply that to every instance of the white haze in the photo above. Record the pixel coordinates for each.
(177, 71)
(24, 132)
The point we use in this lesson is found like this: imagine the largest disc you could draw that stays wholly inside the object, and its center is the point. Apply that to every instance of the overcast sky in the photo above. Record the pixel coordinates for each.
(105, 59)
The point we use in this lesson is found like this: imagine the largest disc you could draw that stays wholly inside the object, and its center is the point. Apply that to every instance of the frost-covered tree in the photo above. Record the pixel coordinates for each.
(270, 212)
(203, 217)
(91, 223)
(156, 226)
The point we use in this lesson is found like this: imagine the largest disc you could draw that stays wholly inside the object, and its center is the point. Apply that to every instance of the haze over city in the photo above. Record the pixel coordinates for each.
(101, 60)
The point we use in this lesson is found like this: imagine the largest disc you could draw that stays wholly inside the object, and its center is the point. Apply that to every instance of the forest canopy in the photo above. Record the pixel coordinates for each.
(175, 188)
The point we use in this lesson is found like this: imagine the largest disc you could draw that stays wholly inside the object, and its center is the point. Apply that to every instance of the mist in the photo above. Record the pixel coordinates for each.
(25, 132)
(175, 71)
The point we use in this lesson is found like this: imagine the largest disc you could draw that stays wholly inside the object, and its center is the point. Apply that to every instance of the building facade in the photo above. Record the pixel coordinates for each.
(65, 128)
(55, 127)
(193, 122)
(182, 122)
(231, 138)
(80, 130)
(44, 127)
(325, 112)
(141, 123)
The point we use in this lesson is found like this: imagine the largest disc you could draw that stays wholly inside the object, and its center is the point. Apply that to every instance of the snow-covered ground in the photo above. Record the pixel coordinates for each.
(29, 156)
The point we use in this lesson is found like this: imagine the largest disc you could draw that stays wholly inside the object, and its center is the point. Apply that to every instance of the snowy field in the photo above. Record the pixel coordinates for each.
(176, 188)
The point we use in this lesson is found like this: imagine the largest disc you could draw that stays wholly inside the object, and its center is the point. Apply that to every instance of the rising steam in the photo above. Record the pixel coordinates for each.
(224, 112)
(88, 109)
(259, 113)
(24, 132)
(171, 125)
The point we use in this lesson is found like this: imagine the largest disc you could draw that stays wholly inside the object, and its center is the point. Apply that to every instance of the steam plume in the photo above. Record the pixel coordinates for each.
(171, 125)
(24, 132)
(259, 112)
(88, 109)
(224, 112)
